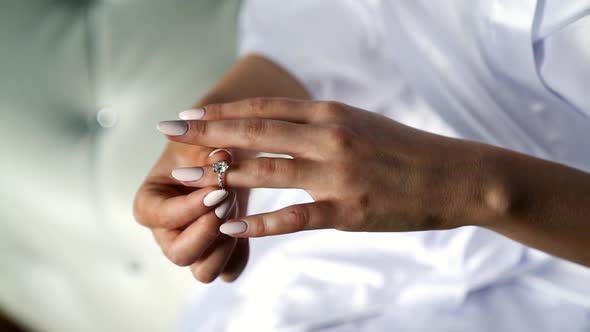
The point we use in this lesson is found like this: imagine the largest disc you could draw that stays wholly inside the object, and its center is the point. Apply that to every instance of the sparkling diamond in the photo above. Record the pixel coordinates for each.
(220, 167)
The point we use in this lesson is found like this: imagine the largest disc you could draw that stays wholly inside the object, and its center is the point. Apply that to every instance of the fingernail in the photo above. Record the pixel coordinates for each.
(187, 174)
(193, 114)
(173, 128)
(234, 227)
(223, 209)
(219, 150)
(215, 197)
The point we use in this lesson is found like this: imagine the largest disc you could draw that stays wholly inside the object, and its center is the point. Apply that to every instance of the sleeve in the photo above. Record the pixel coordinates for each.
(326, 45)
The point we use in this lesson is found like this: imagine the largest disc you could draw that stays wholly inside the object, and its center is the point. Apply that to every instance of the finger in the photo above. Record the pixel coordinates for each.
(239, 257)
(184, 246)
(260, 172)
(252, 134)
(192, 176)
(159, 208)
(223, 210)
(220, 154)
(291, 110)
(215, 155)
(237, 262)
(208, 267)
(294, 218)
(164, 237)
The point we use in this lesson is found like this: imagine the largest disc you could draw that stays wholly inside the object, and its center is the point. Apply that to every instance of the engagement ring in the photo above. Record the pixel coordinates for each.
(220, 167)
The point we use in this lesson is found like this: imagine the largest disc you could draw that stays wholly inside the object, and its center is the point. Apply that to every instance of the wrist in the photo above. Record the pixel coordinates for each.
(492, 197)
(470, 187)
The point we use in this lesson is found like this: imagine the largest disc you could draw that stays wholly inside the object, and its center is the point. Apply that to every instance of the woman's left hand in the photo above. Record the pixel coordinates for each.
(364, 171)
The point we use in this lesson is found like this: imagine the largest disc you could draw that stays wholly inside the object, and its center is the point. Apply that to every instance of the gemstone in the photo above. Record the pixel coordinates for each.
(220, 166)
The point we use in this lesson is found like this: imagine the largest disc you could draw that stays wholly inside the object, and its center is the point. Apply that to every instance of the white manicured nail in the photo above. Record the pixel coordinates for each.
(194, 114)
(234, 227)
(187, 174)
(223, 209)
(173, 128)
(215, 197)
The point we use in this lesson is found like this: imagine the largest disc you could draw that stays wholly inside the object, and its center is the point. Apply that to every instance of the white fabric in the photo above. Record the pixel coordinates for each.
(508, 72)
(82, 84)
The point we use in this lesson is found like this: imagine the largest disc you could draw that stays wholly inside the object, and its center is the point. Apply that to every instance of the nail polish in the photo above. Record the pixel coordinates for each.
(173, 128)
(215, 197)
(234, 227)
(192, 114)
(187, 174)
(223, 209)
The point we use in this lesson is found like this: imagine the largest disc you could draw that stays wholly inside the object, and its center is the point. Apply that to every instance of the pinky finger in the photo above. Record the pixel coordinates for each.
(237, 262)
(294, 218)
(209, 267)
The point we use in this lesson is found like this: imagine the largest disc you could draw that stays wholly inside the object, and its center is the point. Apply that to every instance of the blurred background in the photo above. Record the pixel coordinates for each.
(82, 85)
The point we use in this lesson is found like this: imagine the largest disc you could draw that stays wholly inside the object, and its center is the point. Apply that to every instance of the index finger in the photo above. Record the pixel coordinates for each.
(292, 110)
(255, 134)
(285, 109)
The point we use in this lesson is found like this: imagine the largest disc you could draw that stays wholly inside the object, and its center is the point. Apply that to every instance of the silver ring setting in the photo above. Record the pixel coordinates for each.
(220, 167)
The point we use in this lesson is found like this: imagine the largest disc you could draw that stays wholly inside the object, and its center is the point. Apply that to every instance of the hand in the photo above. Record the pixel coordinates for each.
(185, 221)
(365, 172)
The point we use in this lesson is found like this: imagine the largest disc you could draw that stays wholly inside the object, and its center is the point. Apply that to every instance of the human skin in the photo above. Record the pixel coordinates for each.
(186, 230)
(369, 173)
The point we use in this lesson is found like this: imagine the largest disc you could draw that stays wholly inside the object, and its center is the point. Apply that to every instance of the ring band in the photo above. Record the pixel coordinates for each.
(220, 167)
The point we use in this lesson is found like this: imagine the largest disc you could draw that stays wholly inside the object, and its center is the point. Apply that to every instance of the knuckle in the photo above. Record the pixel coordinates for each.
(266, 167)
(213, 111)
(253, 129)
(339, 138)
(344, 175)
(142, 213)
(198, 128)
(297, 217)
(177, 257)
(331, 109)
(138, 213)
(258, 104)
(156, 236)
(203, 274)
(258, 226)
(162, 219)
(208, 230)
(209, 234)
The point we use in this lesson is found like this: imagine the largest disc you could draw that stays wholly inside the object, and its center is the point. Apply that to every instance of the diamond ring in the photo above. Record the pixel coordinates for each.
(220, 167)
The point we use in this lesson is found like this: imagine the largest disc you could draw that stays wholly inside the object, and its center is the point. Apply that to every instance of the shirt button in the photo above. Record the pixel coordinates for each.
(107, 117)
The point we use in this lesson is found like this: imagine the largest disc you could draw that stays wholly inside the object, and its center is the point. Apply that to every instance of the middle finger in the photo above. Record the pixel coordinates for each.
(253, 134)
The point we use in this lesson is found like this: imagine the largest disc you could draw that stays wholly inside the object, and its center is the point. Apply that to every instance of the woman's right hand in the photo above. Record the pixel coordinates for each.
(185, 221)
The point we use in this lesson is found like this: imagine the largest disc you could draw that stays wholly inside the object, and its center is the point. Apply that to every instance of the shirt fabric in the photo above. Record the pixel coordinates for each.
(513, 73)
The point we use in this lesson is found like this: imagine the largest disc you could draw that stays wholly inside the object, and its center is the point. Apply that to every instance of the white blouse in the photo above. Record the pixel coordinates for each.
(513, 73)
